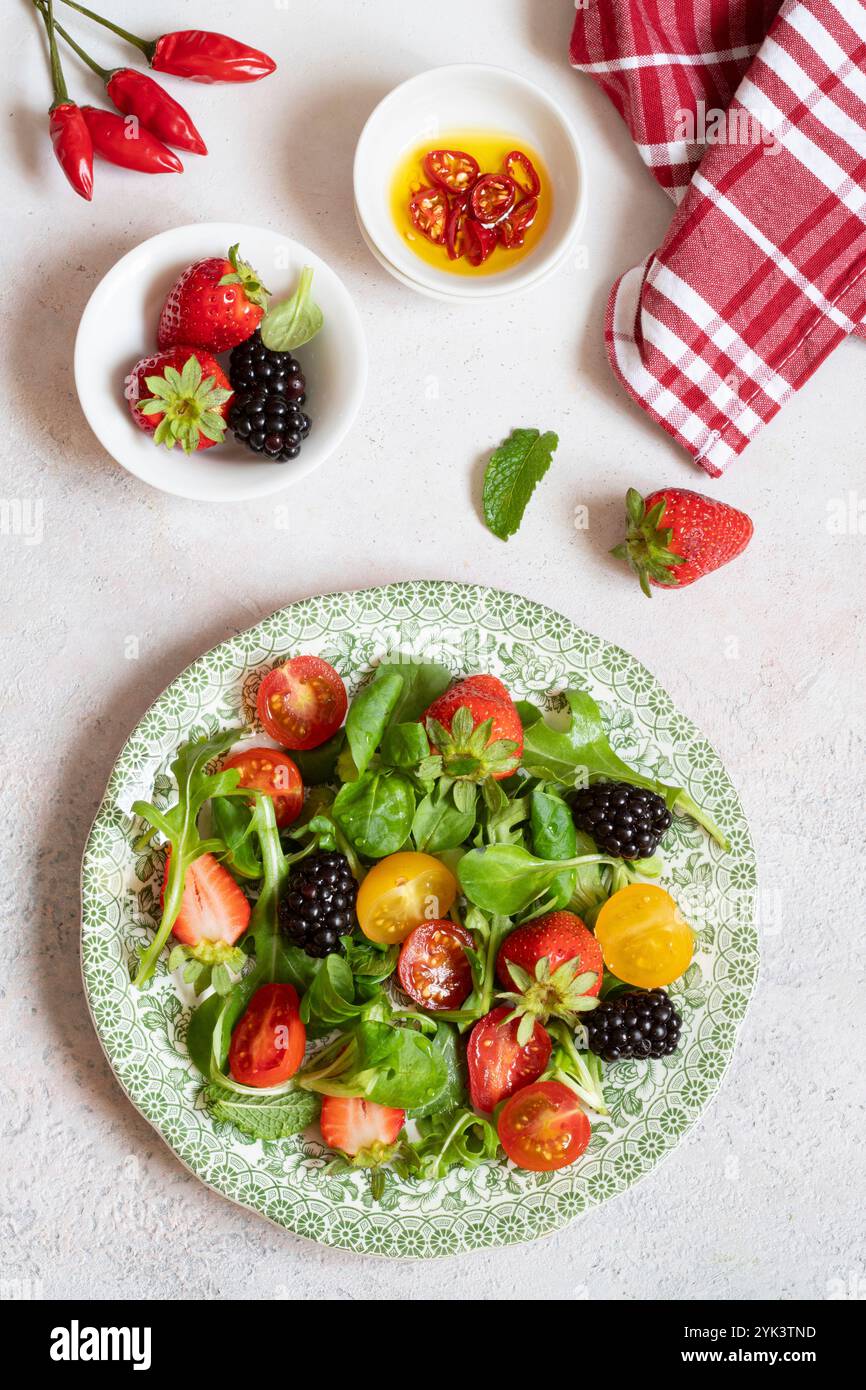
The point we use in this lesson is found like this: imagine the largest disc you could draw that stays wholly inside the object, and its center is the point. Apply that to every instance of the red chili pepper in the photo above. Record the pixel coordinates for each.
(125, 141)
(136, 94)
(206, 57)
(73, 146)
(198, 54)
(70, 136)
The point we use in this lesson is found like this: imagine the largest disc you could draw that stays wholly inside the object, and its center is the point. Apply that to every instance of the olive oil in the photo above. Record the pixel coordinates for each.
(489, 149)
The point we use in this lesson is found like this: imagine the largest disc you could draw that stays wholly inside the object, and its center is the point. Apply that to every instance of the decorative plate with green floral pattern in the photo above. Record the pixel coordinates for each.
(537, 652)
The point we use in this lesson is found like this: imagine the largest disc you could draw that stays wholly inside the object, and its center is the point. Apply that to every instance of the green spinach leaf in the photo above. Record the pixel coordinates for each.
(404, 746)
(453, 1092)
(554, 837)
(439, 824)
(375, 813)
(294, 321)
(318, 765)
(507, 879)
(423, 682)
(368, 716)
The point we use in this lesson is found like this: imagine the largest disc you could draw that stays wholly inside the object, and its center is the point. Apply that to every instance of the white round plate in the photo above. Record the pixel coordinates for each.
(467, 96)
(118, 327)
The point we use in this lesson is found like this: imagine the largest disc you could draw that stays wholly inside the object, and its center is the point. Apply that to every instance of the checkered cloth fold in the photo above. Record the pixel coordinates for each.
(752, 115)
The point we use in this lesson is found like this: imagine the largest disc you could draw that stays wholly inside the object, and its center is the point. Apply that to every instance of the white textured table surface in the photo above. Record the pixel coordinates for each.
(765, 1196)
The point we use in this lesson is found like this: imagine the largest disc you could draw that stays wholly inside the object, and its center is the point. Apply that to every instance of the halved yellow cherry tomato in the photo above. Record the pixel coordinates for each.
(644, 937)
(402, 891)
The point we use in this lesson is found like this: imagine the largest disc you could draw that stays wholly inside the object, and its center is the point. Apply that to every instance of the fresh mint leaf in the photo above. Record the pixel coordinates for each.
(294, 321)
(510, 478)
(264, 1117)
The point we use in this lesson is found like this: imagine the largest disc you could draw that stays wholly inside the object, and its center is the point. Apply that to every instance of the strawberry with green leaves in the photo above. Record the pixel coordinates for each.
(476, 729)
(676, 536)
(551, 968)
(215, 304)
(181, 396)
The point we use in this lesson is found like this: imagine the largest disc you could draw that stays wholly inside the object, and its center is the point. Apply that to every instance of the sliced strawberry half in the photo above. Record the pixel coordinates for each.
(213, 907)
(358, 1127)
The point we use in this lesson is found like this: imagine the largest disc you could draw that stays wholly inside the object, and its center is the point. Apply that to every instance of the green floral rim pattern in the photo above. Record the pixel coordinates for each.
(537, 652)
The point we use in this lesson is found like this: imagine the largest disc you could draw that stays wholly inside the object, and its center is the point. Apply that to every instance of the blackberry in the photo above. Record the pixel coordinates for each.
(252, 367)
(268, 424)
(634, 1025)
(319, 904)
(623, 820)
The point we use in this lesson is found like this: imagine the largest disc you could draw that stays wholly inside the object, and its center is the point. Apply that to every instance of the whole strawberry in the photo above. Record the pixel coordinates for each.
(476, 730)
(675, 536)
(181, 396)
(215, 304)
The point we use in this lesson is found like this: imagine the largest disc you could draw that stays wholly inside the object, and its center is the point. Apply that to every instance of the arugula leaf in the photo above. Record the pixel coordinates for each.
(179, 825)
(294, 321)
(368, 716)
(233, 822)
(510, 478)
(455, 1138)
(263, 1116)
(582, 750)
(375, 813)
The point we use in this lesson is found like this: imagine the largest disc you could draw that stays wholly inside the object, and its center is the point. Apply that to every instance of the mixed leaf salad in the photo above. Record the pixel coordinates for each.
(426, 919)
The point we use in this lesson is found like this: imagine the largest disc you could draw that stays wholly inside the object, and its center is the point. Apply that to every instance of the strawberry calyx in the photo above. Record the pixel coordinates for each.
(375, 1160)
(466, 753)
(189, 406)
(208, 963)
(647, 546)
(560, 994)
(242, 273)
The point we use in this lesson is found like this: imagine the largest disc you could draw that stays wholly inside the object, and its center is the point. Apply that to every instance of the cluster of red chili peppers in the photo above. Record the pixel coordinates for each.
(470, 213)
(79, 132)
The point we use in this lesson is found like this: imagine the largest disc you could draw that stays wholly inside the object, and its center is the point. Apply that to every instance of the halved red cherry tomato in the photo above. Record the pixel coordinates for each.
(512, 230)
(543, 1127)
(428, 209)
(434, 968)
(452, 169)
(273, 772)
(479, 241)
(498, 1065)
(267, 1046)
(521, 169)
(302, 702)
(492, 198)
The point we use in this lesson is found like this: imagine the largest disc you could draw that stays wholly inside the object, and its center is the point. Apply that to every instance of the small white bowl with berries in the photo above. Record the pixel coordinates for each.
(220, 362)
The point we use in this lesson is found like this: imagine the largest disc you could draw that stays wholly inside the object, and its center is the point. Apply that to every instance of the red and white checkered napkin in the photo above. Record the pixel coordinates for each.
(752, 114)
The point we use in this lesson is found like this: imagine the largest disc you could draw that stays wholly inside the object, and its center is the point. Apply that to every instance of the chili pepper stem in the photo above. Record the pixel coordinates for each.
(146, 48)
(85, 57)
(58, 82)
